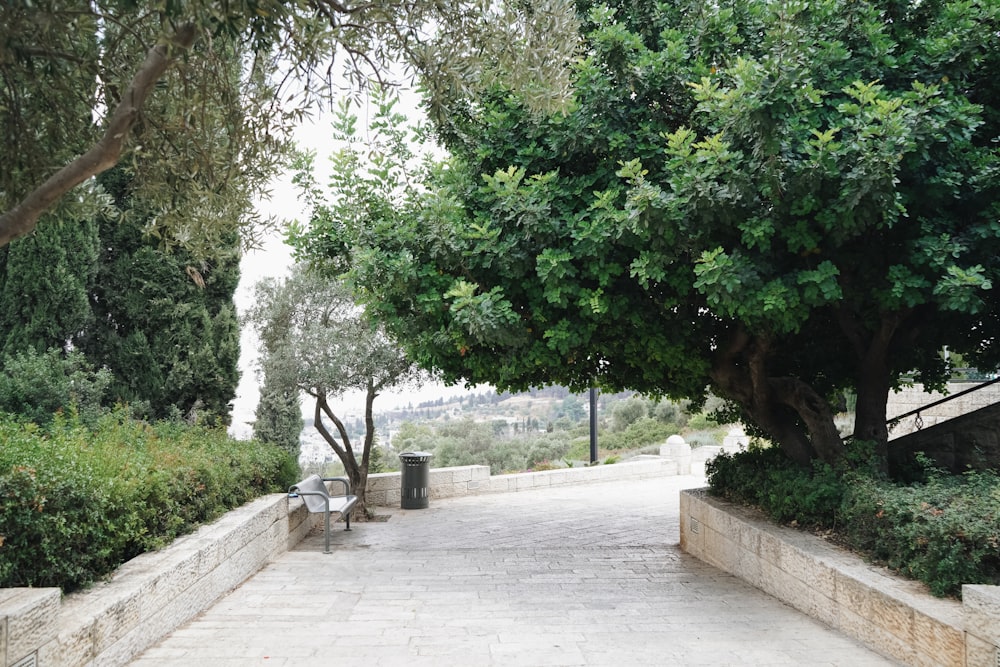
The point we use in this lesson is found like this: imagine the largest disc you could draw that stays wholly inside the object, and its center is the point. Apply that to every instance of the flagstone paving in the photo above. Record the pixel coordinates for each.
(573, 575)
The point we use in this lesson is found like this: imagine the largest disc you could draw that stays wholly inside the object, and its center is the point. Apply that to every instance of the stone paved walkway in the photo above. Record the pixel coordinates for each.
(577, 575)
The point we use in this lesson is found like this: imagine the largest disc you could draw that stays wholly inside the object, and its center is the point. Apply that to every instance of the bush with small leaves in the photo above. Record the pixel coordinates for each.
(944, 531)
(77, 501)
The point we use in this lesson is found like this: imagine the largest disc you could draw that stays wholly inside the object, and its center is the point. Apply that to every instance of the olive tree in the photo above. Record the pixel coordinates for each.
(165, 98)
(317, 340)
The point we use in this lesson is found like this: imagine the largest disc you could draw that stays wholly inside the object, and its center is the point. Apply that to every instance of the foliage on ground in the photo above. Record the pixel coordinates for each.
(78, 501)
(943, 530)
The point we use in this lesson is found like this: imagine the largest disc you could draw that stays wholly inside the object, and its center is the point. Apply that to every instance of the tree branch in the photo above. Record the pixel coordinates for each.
(103, 155)
(321, 408)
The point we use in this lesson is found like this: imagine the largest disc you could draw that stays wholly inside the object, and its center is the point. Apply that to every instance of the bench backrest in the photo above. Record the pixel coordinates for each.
(313, 484)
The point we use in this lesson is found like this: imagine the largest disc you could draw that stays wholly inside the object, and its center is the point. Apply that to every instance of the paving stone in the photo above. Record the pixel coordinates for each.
(559, 575)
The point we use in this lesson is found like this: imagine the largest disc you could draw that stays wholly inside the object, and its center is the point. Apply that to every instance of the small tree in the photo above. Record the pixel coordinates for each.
(317, 339)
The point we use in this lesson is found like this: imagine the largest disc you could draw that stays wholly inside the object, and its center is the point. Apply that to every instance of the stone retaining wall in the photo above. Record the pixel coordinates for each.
(891, 615)
(149, 596)
(913, 398)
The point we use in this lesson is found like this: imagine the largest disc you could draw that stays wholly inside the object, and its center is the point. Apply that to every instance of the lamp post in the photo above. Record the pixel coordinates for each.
(593, 424)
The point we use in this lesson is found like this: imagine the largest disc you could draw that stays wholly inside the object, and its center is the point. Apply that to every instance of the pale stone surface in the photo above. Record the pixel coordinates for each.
(937, 643)
(897, 617)
(979, 653)
(553, 575)
(149, 596)
(28, 617)
(981, 607)
(736, 440)
(678, 451)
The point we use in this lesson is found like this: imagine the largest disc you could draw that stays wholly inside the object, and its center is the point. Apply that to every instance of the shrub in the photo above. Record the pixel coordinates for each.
(551, 448)
(36, 386)
(76, 501)
(944, 532)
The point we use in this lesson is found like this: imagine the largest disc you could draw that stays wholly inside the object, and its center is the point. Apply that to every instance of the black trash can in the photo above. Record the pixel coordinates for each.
(415, 486)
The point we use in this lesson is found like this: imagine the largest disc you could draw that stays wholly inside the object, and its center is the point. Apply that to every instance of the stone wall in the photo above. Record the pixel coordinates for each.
(149, 596)
(891, 615)
(957, 435)
(914, 398)
(384, 488)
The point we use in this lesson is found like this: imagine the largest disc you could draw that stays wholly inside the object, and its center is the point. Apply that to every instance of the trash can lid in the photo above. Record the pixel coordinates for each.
(415, 455)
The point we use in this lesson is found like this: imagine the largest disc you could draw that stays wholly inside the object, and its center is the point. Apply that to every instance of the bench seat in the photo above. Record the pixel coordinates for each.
(317, 498)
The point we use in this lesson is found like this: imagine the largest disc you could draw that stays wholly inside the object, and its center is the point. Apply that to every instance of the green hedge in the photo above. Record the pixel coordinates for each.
(78, 501)
(943, 531)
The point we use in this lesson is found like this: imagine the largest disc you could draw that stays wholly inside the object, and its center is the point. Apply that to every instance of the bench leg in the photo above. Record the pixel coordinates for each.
(326, 531)
(347, 518)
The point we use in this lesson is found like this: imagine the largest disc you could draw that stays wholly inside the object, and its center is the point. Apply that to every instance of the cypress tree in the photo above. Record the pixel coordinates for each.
(279, 415)
(165, 323)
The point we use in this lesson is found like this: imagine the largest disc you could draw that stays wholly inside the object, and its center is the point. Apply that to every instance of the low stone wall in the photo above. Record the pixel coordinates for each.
(891, 615)
(913, 398)
(384, 488)
(112, 622)
(150, 596)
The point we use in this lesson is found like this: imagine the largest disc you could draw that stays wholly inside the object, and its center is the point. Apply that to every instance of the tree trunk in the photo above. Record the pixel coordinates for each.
(352, 470)
(872, 350)
(870, 412)
(793, 415)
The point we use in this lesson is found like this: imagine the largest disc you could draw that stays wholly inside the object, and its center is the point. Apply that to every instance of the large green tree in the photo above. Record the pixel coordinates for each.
(169, 102)
(779, 201)
(164, 321)
(318, 341)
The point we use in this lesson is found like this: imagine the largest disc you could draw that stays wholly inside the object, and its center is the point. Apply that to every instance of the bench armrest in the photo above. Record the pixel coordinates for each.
(342, 480)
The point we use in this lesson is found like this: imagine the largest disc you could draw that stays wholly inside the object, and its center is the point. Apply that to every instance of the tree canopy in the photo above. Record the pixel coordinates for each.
(776, 201)
(201, 132)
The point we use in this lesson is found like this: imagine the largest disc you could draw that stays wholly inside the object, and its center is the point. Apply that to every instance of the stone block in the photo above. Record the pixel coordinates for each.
(804, 566)
(979, 653)
(873, 636)
(744, 564)
(981, 612)
(769, 547)
(29, 619)
(384, 481)
(937, 643)
(462, 474)
(798, 593)
(501, 484)
(720, 551)
(523, 481)
(74, 646)
(377, 498)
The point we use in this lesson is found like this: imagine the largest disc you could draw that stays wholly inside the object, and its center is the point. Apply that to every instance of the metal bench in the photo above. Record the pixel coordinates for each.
(317, 499)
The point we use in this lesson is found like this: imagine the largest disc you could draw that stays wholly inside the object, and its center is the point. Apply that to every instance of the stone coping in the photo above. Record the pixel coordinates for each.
(150, 596)
(894, 616)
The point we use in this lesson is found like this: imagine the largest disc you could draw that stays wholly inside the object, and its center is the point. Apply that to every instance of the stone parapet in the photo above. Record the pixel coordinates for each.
(149, 596)
(892, 615)
(384, 488)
